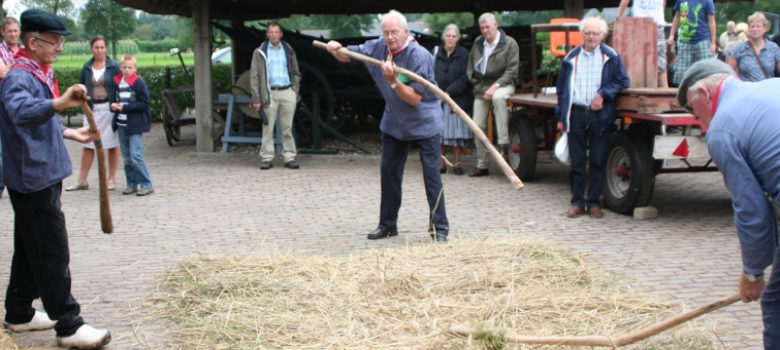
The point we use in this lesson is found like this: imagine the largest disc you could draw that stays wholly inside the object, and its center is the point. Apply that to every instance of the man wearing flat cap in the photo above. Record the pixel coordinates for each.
(743, 137)
(35, 163)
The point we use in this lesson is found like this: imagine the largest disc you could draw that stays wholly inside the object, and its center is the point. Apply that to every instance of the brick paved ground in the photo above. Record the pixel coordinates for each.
(217, 204)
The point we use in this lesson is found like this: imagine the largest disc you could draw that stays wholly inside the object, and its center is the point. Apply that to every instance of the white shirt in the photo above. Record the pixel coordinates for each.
(482, 67)
(587, 76)
(649, 9)
(97, 73)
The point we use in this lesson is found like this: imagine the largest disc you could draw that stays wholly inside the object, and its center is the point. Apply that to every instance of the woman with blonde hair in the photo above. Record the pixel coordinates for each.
(756, 58)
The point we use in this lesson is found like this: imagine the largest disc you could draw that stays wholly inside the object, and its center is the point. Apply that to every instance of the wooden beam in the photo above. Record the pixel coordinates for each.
(204, 122)
(573, 8)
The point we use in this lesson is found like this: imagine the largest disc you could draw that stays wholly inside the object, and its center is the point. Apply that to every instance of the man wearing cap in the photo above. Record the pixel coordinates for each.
(36, 162)
(591, 77)
(743, 138)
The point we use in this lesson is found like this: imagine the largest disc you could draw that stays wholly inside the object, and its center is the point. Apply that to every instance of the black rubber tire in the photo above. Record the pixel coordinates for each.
(647, 132)
(623, 194)
(176, 133)
(522, 134)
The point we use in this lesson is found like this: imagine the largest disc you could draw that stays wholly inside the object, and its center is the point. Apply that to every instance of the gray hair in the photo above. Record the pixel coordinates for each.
(397, 15)
(487, 17)
(451, 26)
(731, 24)
(602, 22)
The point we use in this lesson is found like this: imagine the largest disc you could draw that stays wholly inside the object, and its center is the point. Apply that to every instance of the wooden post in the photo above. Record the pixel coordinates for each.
(204, 121)
(241, 57)
(573, 8)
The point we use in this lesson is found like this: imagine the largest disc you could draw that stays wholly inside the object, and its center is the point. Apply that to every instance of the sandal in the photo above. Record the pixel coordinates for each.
(111, 185)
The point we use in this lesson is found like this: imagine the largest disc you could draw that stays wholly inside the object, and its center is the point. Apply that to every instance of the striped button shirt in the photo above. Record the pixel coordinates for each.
(277, 67)
(125, 94)
(587, 76)
(34, 152)
(6, 54)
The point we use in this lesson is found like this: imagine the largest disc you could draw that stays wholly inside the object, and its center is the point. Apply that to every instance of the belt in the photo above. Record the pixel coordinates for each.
(281, 87)
(97, 102)
(581, 108)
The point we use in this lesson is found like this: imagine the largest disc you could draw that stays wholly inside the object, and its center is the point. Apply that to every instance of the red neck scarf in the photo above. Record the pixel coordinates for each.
(716, 97)
(43, 73)
(408, 41)
(130, 80)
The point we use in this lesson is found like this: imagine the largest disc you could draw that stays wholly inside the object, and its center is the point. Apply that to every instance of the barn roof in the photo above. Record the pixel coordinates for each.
(265, 9)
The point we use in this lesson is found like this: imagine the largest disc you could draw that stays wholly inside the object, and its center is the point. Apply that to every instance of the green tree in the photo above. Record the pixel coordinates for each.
(163, 26)
(62, 8)
(739, 11)
(517, 18)
(183, 30)
(343, 26)
(109, 19)
(437, 21)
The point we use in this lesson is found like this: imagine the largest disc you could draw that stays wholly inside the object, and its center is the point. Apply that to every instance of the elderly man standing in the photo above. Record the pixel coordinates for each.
(591, 77)
(743, 137)
(412, 116)
(275, 81)
(36, 162)
(492, 69)
(728, 36)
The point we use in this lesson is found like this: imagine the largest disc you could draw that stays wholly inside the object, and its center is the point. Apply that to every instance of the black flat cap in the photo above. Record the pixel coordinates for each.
(699, 71)
(34, 20)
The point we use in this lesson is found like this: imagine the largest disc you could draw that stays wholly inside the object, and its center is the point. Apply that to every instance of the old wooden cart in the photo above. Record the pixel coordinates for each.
(642, 146)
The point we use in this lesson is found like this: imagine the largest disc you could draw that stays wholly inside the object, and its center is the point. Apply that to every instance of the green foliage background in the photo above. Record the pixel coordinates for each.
(155, 77)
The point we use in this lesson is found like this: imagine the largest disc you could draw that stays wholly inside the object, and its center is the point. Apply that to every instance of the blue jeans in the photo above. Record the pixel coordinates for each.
(394, 154)
(584, 135)
(2, 185)
(132, 148)
(770, 306)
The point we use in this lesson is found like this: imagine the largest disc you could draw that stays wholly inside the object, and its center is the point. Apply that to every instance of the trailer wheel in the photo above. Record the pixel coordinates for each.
(647, 132)
(167, 121)
(522, 147)
(629, 179)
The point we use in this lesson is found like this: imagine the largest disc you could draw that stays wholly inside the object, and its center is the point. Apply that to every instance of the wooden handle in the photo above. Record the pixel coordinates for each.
(602, 341)
(106, 222)
(505, 168)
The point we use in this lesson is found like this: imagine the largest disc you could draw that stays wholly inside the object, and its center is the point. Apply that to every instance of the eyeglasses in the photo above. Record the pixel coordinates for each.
(688, 108)
(60, 43)
(591, 33)
(393, 33)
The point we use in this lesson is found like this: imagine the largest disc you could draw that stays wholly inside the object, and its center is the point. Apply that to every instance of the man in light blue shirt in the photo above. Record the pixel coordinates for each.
(743, 137)
(275, 81)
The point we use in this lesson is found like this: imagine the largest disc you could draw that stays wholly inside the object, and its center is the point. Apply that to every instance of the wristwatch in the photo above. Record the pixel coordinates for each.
(753, 278)
(394, 85)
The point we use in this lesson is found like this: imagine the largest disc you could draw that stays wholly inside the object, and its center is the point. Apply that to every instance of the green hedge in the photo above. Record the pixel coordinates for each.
(164, 45)
(155, 79)
(83, 48)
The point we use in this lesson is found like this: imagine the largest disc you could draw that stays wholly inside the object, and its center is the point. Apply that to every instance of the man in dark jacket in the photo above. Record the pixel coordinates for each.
(275, 80)
(591, 77)
(492, 70)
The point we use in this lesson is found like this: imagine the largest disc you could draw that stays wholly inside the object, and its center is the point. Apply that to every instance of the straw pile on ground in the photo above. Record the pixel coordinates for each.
(5, 342)
(405, 299)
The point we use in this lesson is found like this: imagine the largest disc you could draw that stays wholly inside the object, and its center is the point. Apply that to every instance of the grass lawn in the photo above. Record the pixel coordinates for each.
(144, 59)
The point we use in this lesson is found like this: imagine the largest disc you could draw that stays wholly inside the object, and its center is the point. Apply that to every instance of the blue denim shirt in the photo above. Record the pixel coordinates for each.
(744, 141)
(400, 119)
(34, 153)
(747, 67)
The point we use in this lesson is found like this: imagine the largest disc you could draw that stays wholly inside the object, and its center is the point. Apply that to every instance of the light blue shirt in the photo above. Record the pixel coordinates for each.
(747, 66)
(277, 67)
(587, 76)
(744, 141)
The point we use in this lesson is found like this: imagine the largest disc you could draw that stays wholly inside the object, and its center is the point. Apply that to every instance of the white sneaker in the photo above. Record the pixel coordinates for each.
(86, 337)
(39, 322)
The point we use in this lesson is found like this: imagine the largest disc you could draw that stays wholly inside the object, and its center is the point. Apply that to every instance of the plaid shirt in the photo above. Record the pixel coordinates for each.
(587, 76)
(277, 67)
(6, 54)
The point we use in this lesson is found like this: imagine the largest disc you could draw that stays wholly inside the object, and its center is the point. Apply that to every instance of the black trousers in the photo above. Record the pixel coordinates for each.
(394, 154)
(39, 268)
(587, 145)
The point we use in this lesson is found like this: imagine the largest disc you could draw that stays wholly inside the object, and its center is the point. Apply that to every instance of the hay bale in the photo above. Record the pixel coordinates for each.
(6, 343)
(405, 299)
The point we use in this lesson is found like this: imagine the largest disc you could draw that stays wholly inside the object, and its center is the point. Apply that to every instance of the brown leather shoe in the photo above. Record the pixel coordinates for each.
(575, 211)
(595, 212)
(479, 172)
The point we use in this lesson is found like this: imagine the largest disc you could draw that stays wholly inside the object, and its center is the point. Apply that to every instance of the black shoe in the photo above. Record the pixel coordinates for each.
(383, 233)
(439, 238)
(442, 170)
(266, 164)
(458, 171)
(292, 165)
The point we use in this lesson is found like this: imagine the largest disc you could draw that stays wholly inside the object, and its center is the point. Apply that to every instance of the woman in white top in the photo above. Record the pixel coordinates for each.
(97, 75)
(652, 9)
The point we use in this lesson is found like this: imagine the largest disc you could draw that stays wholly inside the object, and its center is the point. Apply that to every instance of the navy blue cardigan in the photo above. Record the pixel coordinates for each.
(138, 110)
(112, 70)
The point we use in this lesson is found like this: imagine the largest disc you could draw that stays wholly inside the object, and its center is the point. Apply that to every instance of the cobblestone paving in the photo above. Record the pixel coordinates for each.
(223, 204)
